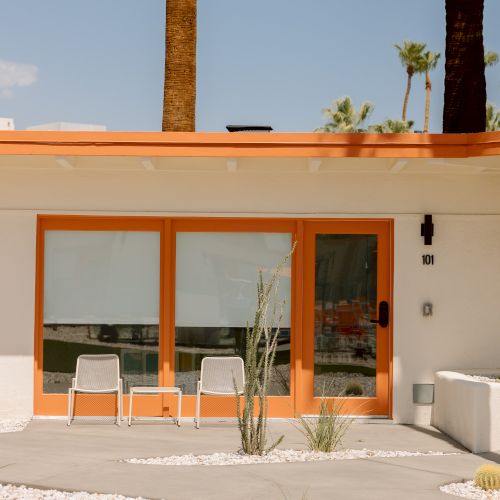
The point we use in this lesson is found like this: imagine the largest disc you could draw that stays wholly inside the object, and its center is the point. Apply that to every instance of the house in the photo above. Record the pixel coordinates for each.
(148, 245)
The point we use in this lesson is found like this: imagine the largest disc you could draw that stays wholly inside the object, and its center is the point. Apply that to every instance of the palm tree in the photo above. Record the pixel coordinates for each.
(492, 118)
(409, 55)
(390, 126)
(490, 58)
(343, 116)
(427, 64)
(179, 88)
(464, 85)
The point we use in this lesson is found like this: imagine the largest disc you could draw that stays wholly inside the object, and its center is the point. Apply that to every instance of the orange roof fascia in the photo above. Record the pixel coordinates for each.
(225, 144)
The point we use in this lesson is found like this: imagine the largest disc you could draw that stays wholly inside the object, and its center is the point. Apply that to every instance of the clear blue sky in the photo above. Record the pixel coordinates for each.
(276, 62)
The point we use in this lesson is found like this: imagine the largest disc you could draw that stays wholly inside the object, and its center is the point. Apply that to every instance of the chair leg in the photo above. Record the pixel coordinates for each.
(130, 396)
(179, 406)
(198, 397)
(120, 402)
(70, 406)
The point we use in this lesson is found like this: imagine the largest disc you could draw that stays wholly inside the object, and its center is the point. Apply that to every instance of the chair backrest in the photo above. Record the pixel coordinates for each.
(99, 372)
(219, 374)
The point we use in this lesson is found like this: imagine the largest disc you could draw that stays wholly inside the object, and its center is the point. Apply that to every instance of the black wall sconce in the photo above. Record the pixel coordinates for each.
(427, 229)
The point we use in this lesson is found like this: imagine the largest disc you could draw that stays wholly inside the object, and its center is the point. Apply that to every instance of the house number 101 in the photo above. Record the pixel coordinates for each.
(428, 259)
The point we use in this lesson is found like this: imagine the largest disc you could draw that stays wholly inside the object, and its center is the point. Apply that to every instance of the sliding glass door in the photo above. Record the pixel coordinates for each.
(163, 293)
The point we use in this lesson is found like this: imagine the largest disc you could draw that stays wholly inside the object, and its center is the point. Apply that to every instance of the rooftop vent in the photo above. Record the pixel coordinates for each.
(7, 124)
(69, 127)
(249, 128)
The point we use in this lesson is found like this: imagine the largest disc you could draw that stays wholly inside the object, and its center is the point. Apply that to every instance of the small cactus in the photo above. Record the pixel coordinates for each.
(487, 477)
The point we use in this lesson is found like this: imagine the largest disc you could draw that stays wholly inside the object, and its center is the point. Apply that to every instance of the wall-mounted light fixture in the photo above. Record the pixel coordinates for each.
(427, 229)
(427, 309)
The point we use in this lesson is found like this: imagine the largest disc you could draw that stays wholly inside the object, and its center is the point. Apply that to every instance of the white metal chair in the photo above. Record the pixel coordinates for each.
(96, 374)
(220, 376)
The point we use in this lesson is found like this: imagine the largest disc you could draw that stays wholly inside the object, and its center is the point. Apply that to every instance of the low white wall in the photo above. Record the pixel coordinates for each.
(463, 285)
(468, 410)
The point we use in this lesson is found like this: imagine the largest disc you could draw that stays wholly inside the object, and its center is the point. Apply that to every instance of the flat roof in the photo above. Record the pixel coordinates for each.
(237, 145)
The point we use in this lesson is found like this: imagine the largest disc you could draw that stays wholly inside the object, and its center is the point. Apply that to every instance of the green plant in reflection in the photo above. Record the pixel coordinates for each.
(353, 389)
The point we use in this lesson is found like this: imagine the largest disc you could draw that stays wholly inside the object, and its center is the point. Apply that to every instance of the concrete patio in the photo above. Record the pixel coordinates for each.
(48, 454)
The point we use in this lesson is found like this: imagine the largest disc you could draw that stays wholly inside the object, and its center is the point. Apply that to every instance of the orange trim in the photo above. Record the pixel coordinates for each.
(56, 404)
(38, 347)
(300, 397)
(381, 404)
(225, 144)
(298, 317)
(391, 327)
(279, 406)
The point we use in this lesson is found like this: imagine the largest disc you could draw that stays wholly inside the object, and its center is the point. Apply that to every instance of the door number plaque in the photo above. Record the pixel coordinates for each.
(428, 259)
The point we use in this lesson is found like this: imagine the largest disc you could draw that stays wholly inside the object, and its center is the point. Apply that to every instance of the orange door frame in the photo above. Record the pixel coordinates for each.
(381, 405)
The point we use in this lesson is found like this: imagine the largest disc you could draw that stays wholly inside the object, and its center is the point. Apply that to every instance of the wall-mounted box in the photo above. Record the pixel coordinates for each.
(423, 394)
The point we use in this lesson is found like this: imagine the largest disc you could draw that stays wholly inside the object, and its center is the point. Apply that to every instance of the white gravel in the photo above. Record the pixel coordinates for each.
(483, 378)
(11, 492)
(278, 456)
(13, 424)
(470, 490)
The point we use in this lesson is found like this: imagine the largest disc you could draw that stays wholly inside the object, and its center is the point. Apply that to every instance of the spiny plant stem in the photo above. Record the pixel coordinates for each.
(258, 366)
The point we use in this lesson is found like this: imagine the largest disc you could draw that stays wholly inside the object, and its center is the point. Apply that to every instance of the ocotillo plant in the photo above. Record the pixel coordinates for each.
(258, 365)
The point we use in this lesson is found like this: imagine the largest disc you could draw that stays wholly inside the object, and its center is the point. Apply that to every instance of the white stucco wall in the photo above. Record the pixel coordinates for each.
(463, 285)
(17, 302)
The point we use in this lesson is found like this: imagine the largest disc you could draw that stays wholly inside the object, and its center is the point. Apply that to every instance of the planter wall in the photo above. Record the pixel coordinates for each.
(468, 410)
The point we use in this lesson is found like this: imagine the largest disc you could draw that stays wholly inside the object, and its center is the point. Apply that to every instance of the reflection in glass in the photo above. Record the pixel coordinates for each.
(101, 296)
(216, 290)
(345, 301)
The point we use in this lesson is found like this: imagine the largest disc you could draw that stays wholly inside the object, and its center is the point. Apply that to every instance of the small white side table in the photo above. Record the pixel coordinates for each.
(156, 390)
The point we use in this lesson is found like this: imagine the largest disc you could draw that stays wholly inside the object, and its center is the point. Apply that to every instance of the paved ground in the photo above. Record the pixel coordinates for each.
(86, 456)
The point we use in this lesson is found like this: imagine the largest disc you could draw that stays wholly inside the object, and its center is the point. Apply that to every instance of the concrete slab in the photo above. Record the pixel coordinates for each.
(86, 456)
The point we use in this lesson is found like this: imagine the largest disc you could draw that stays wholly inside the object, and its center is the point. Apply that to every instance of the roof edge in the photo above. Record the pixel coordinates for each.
(226, 144)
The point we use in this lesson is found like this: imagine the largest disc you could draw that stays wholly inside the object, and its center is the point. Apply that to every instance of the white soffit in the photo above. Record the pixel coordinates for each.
(239, 166)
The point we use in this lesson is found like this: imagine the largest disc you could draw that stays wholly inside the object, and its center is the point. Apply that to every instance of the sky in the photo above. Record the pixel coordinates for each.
(267, 62)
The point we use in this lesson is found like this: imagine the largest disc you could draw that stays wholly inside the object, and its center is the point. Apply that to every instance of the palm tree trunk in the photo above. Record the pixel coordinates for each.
(428, 88)
(407, 96)
(179, 88)
(464, 84)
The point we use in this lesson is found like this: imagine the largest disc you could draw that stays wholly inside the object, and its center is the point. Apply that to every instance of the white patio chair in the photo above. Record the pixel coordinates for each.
(218, 377)
(96, 374)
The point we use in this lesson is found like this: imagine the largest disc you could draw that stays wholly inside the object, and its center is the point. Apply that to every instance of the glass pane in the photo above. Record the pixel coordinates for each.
(101, 296)
(216, 295)
(345, 300)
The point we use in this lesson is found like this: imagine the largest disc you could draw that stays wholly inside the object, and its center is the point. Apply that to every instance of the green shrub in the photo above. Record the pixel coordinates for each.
(326, 431)
(487, 477)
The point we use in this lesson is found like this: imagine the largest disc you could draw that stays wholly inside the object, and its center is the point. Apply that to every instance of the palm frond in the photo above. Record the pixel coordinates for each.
(492, 117)
(391, 126)
(490, 58)
(343, 117)
(410, 52)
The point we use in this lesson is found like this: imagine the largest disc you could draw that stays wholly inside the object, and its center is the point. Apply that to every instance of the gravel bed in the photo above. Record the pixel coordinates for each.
(12, 492)
(13, 424)
(278, 456)
(483, 378)
(470, 490)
